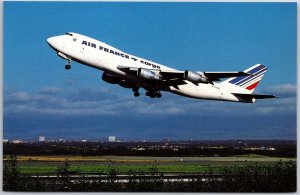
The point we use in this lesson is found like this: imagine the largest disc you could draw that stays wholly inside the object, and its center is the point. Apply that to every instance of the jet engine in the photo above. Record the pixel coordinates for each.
(110, 78)
(195, 77)
(147, 74)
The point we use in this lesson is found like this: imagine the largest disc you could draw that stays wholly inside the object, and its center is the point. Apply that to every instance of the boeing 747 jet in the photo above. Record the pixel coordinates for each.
(133, 72)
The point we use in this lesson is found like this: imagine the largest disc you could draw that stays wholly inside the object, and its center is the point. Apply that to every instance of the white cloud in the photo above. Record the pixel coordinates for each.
(21, 96)
(51, 90)
(283, 90)
(97, 101)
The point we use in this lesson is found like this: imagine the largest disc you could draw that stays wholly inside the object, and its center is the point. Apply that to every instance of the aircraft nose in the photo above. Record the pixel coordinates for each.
(50, 40)
(57, 42)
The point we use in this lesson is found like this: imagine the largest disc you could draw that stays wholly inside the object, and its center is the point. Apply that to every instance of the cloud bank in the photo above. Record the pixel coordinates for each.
(102, 101)
(91, 109)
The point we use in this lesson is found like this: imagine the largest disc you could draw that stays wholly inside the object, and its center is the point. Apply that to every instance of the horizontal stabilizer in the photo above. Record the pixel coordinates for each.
(256, 96)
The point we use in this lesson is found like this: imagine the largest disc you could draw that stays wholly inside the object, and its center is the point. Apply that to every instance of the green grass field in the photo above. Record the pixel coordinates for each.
(40, 165)
(121, 169)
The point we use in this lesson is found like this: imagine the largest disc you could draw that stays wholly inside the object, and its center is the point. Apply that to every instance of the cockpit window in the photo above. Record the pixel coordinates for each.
(70, 34)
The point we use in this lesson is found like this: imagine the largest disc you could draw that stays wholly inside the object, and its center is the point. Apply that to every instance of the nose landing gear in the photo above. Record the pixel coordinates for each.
(68, 65)
(65, 57)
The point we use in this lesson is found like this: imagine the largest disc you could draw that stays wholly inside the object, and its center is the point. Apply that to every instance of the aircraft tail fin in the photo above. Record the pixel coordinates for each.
(248, 82)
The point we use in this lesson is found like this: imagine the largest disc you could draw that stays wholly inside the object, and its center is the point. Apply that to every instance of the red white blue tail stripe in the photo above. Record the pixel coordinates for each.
(251, 81)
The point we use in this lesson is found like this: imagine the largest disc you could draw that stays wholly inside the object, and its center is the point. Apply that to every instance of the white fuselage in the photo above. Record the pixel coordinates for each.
(102, 56)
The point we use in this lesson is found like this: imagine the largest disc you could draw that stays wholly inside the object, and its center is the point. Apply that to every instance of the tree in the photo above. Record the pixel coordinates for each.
(11, 174)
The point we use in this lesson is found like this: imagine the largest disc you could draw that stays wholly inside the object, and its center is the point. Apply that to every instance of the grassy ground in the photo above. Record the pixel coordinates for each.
(139, 159)
(39, 165)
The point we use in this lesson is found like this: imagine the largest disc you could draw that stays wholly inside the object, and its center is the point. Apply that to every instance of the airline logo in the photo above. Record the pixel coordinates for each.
(116, 53)
(251, 81)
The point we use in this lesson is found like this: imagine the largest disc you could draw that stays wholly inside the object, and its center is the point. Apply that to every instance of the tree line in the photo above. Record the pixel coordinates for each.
(123, 150)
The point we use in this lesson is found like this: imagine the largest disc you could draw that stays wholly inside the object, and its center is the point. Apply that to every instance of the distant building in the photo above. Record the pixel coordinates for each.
(84, 140)
(42, 138)
(138, 148)
(61, 140)
(112, 139)
(17, 141)
(5, 140)
(267, 148)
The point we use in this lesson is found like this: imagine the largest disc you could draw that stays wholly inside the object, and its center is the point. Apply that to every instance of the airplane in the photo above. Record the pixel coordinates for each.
(133, 72)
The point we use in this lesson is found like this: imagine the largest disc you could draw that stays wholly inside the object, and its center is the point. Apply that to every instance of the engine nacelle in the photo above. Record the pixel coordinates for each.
(110, 78)
(195, 77)
(147, 74)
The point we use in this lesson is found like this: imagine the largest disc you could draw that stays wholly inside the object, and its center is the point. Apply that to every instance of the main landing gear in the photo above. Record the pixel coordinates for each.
(135, 91)
(153, 94)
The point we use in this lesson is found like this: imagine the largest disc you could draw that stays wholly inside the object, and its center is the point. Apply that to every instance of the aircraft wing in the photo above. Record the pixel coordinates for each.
(169, 77)
(216, 76)
(212, 76)
(166, 75)
(175, 74)
(129, 70)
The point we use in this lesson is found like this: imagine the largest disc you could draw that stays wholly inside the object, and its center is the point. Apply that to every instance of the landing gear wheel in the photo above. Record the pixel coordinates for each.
(68, 67)
(158, 95)
(153, 94)
(135, 91)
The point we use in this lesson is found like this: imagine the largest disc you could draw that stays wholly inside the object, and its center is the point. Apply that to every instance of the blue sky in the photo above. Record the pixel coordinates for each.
(40, 97)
